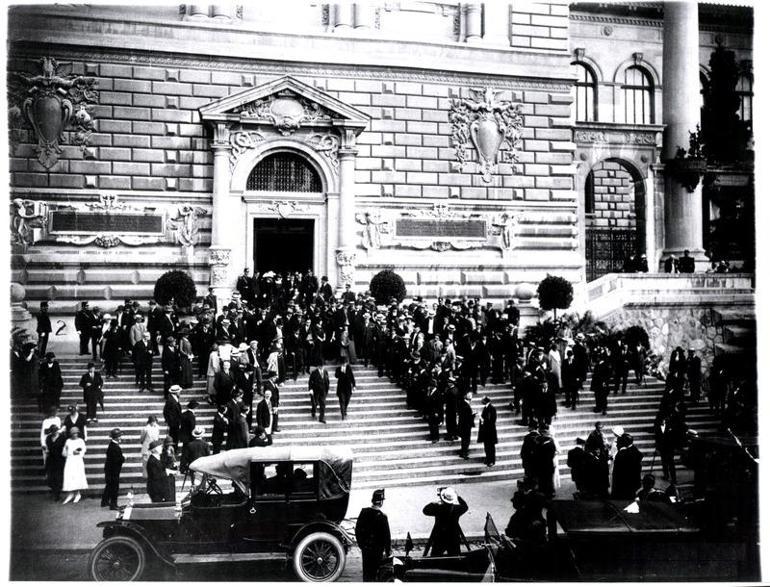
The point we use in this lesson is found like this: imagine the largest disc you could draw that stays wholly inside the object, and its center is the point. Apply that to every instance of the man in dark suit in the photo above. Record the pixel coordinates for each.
(224, 384)
(83, 318)
(621, 358)
(211, 299)
(271, 385)
(373, 536)
(528, 449)
(154, 315)
(91, 382)
(576, 461)
(51, 383)
(488, 431)
(187, 423)
(545, 450)
(96, 332)
(570, 379)
(694, 375)
(112, 467)
(686, 263)
(172, 413)
(158, 483)
(465, 424)
(171, 364)
(43, 328)
(318, 385)
(265, 413)
(143, 362)
(326, 290)
(346, 385)
(627, 471)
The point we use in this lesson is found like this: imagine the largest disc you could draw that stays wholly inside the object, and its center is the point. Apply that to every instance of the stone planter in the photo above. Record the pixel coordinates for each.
(687, 172)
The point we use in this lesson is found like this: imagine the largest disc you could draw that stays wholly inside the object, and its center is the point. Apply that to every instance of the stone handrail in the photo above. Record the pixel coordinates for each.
(613, 290)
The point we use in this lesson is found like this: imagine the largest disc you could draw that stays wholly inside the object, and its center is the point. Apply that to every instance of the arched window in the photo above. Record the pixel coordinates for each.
(745, 90)
(589, 193)
(284, 172)
(637, 96)
(584, 94)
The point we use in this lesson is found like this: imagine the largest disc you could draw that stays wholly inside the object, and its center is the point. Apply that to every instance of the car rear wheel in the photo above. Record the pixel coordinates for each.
(117, 558)
(319, 557)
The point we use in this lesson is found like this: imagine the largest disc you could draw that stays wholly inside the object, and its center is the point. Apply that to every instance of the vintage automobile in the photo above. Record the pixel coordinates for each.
(286, 504)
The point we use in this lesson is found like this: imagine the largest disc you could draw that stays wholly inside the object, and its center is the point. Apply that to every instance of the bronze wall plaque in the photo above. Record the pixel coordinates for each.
(444, 228)
(82, 222)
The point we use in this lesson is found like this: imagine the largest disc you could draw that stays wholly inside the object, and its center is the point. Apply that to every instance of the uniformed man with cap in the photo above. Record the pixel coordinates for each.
(373, 536)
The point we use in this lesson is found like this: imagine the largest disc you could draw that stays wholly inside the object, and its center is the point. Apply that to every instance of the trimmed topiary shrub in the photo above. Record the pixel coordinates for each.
(175, 285)
(387, 284)
(554, 293)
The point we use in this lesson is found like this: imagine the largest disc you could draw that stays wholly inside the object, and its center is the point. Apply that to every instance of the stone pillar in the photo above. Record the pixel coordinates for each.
(346, 248)
(343, 17)
(198, 10)
(681, 114)
(219, 252)
(223, 11)
(472, 23)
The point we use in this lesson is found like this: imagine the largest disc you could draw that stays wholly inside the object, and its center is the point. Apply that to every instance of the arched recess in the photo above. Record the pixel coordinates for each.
(638, 62)
(614, 197)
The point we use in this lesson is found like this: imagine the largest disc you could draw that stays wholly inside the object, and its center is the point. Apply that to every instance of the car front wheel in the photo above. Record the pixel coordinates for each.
(117, 558)
(319, 557)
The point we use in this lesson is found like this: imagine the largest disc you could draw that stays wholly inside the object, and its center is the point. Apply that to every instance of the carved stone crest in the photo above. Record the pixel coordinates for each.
(240, 142)
(219, 256)
(284, 110)
(489, 125)
(51, 103)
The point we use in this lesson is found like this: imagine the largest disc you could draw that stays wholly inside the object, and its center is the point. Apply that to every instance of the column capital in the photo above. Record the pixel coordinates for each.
(347, 153)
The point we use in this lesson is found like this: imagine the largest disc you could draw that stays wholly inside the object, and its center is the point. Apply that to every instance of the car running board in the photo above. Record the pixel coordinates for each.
(232, 557)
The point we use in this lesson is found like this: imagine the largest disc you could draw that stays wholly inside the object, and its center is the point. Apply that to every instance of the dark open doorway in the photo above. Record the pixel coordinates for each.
(283, 245)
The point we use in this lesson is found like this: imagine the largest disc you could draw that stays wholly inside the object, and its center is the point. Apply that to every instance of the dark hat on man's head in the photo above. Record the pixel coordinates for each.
(116, 433)
(43, 304)
(579, 440)
(83, 304)
(156, 444)
(486, 400)
(91, 365)
(192, 404)
(378, 496)
(50, 355)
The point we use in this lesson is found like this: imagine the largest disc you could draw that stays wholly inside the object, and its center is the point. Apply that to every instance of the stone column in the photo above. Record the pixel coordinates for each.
(472, 23)
(219, 252)
(346, 248)
(223, 11)
(343, 17)
(198, 10)
(681, 114)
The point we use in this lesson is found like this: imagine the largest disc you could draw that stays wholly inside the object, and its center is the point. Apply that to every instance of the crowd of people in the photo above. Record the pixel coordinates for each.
(280, 326)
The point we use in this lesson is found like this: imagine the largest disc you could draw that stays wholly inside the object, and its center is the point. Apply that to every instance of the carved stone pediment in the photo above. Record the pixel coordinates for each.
(286, 104)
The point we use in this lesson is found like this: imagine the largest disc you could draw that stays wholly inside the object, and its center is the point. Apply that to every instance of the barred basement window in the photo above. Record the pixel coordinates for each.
(637, 92)
(284, 172)
(584, 94)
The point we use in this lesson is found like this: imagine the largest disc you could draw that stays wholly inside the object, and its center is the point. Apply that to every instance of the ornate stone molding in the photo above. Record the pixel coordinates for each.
(109, 202)
(186, 225)
(487, 123)
(286, 111)
(108, 241)
(51, 104)
(28, 222)
(649, 138)
(328, 145)
(219, 256)
(242, 141)
(346, 265)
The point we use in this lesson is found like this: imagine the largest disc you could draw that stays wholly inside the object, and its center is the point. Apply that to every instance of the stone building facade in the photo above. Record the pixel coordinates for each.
(436, 138)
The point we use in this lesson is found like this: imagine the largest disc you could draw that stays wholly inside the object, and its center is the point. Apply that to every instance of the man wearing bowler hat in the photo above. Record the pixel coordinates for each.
(373, 536)
(172, 413)
(112, 466)
(43, 328)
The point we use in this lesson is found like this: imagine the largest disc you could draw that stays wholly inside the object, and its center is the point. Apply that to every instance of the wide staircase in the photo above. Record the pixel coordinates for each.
(390, 442)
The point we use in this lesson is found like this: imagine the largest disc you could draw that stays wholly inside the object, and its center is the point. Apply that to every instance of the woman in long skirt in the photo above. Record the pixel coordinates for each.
(150, 433)
(74, 467)
(185, 362)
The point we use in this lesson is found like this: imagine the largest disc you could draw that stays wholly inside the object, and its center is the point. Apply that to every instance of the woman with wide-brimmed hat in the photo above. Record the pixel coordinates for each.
(74, 467)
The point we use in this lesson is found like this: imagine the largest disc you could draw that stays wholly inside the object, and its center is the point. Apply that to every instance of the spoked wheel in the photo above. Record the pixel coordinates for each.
(117, 558)
(319, 557)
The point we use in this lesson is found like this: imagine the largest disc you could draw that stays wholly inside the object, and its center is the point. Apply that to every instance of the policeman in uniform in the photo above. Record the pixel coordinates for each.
(373, 536)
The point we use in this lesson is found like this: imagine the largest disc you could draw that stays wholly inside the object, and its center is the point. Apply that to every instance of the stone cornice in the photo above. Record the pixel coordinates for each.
(277, 68)
(651, 22)
(98, 32)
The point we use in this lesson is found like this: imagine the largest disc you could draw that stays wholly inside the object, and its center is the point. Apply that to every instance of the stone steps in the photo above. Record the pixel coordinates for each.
(389, 440)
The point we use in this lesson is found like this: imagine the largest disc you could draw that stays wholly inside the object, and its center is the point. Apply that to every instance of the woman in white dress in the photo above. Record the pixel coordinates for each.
(150, 433)
(74, 467)
(556, 476)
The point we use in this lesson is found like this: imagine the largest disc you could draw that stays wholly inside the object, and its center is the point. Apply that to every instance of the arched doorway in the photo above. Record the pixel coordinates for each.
(615, 216)
(283, 243)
